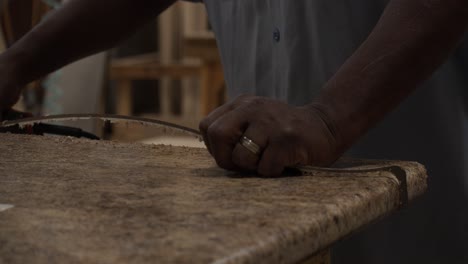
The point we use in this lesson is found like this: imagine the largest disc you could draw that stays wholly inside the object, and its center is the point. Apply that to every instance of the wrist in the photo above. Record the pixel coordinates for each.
(325, 113)
(348, 114)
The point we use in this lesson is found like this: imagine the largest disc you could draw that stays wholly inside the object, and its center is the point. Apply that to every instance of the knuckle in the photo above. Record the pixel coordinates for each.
(255, 102)
(289, 134)
(229, 106)
(247, 99)
(253, 107)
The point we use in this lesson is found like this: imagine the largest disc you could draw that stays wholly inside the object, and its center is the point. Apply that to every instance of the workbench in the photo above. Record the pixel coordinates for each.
(65, 200)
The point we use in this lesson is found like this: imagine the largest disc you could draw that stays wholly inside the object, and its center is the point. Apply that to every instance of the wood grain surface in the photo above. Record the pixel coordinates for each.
(79, 201)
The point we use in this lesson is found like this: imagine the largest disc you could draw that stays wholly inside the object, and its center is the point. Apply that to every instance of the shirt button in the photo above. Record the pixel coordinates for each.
(276, 35)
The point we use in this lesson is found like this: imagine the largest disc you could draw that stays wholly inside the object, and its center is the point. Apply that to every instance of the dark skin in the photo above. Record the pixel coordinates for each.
(411, 40)
(58, 41)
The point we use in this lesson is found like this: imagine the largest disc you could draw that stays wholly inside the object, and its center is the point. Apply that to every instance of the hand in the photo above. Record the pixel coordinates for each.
(287, 135)
(12, 114)
(9, 91)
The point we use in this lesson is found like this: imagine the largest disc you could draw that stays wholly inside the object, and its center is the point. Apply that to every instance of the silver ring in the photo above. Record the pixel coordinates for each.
(250, 145)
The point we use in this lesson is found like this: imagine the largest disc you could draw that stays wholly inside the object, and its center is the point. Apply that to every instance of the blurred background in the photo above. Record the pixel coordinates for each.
(169, 70)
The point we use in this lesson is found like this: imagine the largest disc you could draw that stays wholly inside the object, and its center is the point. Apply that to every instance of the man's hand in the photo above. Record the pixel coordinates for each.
(73, 31)
(286, 135)
(9, 95)
(10, 91)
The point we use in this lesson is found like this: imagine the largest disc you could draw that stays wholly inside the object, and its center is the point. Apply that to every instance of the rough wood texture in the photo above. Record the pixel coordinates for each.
(78, 201)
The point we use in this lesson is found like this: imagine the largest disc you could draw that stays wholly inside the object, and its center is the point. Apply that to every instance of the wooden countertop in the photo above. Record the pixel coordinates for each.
(79, 201)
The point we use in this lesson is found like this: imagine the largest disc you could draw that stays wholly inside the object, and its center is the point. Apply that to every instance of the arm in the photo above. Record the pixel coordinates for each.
(76, 30)
(412, 39)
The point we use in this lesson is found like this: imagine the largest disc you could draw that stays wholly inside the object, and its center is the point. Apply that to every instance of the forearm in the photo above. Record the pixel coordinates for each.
(76, 30)
(412, 39)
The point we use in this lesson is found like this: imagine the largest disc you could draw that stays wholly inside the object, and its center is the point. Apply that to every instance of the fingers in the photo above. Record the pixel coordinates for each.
(282, 133)
(244, 158)
(209, 120)
(278, 155)
(223, 135)
(272, 162)
(214, 115)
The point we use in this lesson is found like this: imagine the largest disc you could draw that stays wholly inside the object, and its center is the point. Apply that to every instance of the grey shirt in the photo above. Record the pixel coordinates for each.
(286, 49)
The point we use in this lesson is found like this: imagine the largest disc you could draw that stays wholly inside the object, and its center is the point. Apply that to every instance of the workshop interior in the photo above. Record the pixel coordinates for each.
(169, 70)
(105, 161)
